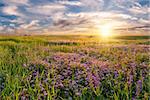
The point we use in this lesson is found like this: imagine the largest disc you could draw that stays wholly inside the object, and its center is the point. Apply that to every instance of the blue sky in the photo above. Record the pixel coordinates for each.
(73, 16)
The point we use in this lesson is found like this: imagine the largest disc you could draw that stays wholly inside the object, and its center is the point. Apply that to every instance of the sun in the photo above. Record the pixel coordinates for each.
(106, 30)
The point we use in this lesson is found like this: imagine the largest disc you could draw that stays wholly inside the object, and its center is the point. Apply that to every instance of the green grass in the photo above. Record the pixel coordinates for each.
(133, 37)
(19, 54)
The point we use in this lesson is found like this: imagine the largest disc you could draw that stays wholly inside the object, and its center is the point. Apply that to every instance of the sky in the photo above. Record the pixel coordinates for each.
(74, 16)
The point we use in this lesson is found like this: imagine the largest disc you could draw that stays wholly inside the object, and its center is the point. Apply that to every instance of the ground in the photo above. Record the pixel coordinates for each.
(74, 67)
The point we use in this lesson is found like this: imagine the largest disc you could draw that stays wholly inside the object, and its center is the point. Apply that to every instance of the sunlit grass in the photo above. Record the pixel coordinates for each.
(42, 67)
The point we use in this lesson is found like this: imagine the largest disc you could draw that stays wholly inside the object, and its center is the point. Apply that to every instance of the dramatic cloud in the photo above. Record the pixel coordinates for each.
(73, 16)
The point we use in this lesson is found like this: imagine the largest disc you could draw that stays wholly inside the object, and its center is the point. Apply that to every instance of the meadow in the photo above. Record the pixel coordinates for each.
(74, 68)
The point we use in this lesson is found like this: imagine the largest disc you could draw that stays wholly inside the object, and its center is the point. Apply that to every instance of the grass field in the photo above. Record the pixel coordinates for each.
(74, 68)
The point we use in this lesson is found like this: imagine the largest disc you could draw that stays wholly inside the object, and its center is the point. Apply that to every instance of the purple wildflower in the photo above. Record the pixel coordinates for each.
(115, 74)
(130, 80)
(139, 87)
(45, 93)
(24, 65)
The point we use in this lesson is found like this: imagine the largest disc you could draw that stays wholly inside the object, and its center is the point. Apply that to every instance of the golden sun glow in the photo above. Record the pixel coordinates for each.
(106, 30)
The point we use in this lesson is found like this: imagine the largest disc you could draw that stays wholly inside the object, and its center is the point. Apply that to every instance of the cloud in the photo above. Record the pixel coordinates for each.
(139, 10)
(83, 21)
(47, 9)
(88, 20)
(1, 28)
(135, 28)
(6, 29)
(92, 5)
(72, 15)
(16, 2)
(71, 3)
(32, 24)
(71, 22)
(11, 10)
(144, 21)
(102, 16)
